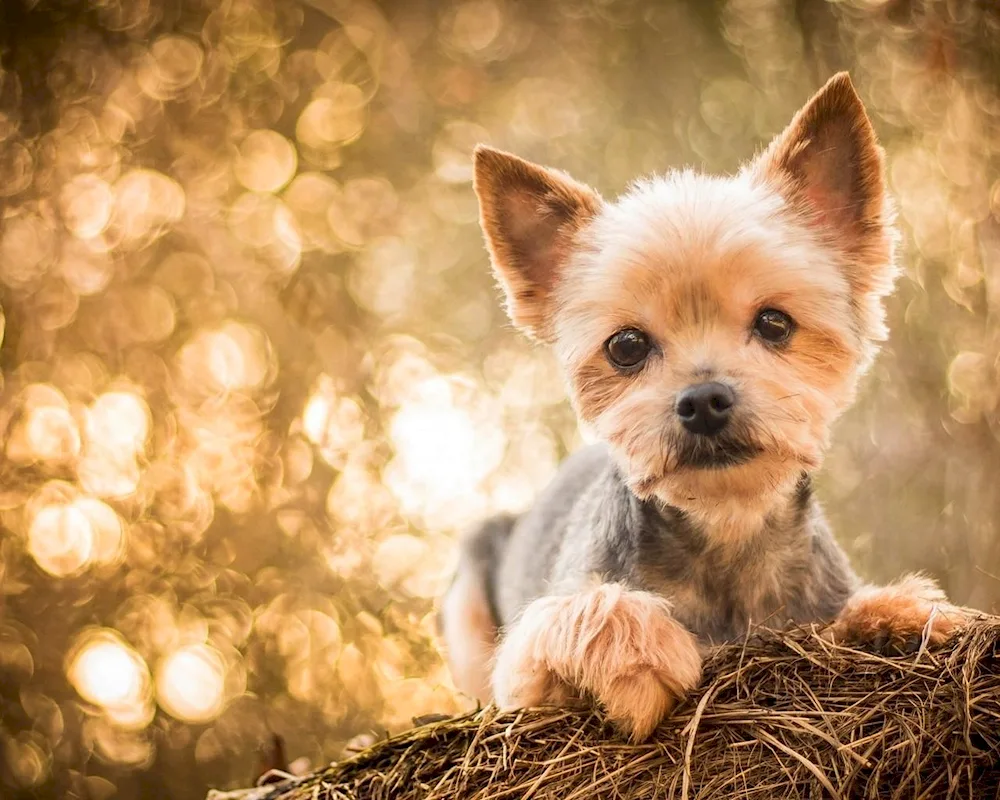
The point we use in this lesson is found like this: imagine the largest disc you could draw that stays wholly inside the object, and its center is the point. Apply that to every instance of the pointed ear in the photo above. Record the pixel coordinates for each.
(829, 166)
(530, 216)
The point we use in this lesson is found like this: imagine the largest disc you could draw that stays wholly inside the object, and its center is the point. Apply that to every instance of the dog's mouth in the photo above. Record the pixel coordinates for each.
(717, 452)
(694, 453)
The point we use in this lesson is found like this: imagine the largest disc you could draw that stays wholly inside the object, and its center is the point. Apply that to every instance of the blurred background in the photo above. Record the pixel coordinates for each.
(255, 374)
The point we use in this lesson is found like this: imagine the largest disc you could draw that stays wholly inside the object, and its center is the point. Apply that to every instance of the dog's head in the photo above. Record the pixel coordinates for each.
(711, 328)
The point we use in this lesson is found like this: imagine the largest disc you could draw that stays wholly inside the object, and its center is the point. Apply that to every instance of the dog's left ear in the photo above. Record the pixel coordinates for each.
(828, 165)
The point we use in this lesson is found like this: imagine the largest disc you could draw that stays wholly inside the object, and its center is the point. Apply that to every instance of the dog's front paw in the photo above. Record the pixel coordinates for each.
(614, 645)
(899, 618)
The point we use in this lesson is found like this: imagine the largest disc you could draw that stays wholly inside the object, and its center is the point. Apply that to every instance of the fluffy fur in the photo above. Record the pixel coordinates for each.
(690, 538)
(612, 643)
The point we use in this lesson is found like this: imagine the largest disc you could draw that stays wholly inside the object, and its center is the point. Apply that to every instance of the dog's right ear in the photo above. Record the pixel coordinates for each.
(530, 216)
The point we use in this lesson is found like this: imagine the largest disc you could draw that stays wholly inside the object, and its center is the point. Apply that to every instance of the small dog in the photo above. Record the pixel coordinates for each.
(711, 330)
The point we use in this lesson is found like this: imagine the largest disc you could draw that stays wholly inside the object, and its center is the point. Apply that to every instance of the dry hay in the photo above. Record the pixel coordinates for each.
(783, 716)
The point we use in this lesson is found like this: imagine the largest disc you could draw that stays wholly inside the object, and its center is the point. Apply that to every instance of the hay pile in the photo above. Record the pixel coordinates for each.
(785, 716)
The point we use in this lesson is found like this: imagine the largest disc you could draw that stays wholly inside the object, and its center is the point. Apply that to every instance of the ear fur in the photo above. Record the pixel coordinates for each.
(530, 216)
(828, 165)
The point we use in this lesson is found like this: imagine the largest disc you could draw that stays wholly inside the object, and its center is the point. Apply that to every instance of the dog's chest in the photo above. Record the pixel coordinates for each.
(717, 610)
(719, 594)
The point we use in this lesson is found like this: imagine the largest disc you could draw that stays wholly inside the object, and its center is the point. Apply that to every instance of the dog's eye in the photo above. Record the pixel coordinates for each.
(627, 348)
(773, 326)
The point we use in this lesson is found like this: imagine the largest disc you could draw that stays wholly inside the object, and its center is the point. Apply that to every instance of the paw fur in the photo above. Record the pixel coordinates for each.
(899, 618)
(616, 646)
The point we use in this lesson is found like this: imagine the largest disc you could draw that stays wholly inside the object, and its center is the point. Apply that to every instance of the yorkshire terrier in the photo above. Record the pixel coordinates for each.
(711, 329)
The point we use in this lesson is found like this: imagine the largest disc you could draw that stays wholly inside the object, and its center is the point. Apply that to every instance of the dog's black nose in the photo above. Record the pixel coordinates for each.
(705, 409)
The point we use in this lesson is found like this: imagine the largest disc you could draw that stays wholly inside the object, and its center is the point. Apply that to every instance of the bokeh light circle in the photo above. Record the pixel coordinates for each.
(266, 161)
(110, 674)
(190, 683)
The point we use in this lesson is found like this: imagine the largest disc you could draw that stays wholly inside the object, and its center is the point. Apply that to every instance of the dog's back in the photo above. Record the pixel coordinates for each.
(538, 540)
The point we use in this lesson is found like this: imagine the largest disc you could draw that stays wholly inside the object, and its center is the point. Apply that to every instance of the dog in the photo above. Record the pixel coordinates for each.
(710, 330)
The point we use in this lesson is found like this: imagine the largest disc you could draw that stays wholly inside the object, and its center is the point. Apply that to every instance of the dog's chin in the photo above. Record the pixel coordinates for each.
(716, 453)
(731, 500)
(721, 470)
(702, 468)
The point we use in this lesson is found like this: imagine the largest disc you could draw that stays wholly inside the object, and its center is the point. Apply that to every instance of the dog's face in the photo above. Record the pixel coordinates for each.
(711, 329)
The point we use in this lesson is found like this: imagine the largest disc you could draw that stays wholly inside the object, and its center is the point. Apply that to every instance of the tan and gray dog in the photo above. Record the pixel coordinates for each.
(711, 329)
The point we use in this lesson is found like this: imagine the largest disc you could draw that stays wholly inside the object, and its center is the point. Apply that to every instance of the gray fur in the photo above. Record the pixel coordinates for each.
(588, 523)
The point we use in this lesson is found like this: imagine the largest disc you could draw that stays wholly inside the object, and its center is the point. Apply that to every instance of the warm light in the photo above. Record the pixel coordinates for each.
(453, 150)
(267, 224)
(108, 473)
(146, 201)
(442, 452)
(17, 169)
(60, 539)
(26, 762)
(308, 197)
(359, 499)
(47, 431)
(231, 357)
(266, 161)
(335, 424)
(220, 454)
(173, 63)
(285, 252)
(119, 421)
(107, 672)
(386, 278)
(86, 203)
(190, 683)
(969, 376)
(476, 25)
(437, 443)
(107, 536)
(396, 557)
(257, 375)
(335, 117)
(26, 247)
(85, 265)
(117, 429)
(366, 207)
(412, 565)
(64, 538)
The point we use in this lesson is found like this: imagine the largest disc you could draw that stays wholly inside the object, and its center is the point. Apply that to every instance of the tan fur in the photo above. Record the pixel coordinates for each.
(900, 614)
(695, 286)
(690, 259)
(620, 647)
(470, 636)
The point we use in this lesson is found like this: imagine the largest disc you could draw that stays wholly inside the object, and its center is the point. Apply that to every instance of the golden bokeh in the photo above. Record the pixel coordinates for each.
(190, 683)
(108, 673)
(65, 538)
(266, 161)
(256, 376)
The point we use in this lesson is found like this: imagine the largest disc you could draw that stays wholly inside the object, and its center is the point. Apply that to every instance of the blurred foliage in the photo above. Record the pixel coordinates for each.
(254, 371)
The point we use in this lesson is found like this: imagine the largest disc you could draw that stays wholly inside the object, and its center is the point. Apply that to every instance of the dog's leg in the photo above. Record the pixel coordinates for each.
(618, 646)
(467, 620)
(898, 617)
(469, 634)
